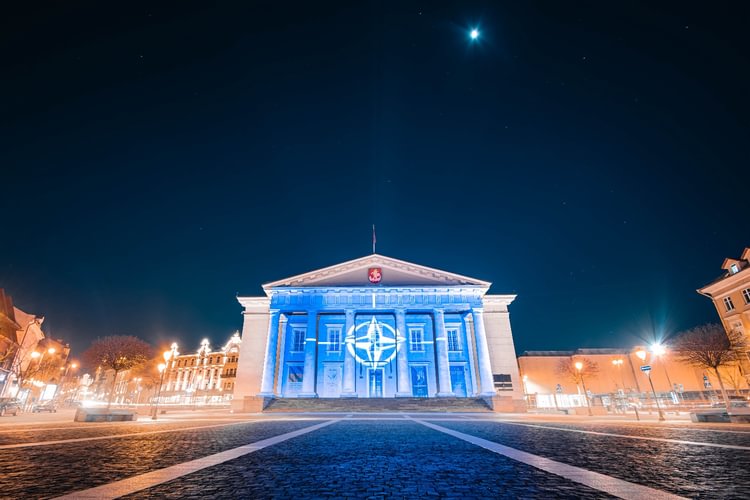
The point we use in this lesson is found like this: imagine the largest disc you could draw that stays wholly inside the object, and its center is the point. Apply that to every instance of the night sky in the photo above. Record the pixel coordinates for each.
(155, 162)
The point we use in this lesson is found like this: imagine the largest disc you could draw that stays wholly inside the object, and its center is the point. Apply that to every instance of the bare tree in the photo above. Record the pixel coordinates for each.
(711, 347)
(117, 353)
(567, 368)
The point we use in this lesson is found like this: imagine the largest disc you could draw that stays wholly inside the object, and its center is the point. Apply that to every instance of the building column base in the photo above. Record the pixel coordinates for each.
(445, 395)
(403, 394)
(307, 395)
(348, 395)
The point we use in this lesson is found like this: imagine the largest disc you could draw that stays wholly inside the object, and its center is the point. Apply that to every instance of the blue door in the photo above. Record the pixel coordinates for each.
(376, 383)
(458, 381)
(419, 381)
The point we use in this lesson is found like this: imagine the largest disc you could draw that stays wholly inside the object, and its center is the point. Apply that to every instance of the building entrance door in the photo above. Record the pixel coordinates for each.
(419, 381)
(376, 383)
(332, 381)
(458, 381)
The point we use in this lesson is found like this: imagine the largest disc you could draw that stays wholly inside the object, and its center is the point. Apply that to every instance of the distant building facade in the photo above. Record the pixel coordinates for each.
(206, 376)
(730, 293)
(618, 379)
(377, 327)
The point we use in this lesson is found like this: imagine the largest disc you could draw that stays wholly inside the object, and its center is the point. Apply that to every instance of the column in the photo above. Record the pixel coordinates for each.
(269, 365)
(311, 345)
(483, 353)
(443, 365)
(402, 344)
(349, 361)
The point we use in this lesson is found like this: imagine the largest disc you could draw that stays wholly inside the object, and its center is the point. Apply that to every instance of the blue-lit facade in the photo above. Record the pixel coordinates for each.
(375, 327)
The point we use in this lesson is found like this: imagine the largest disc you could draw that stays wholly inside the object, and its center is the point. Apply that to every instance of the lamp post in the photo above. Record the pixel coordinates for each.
(642, 356)
(579, 367)
(162, 369)
(659, 350)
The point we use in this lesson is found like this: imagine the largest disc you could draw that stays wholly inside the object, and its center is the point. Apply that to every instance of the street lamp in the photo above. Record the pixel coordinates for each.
(579, 367)
(162, 367)
(659, 350)
(642, 356)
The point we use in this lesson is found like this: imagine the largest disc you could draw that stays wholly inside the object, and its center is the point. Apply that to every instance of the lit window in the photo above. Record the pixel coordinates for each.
(728, 304)
(454, 344)
(746, 295)
(416, 340)
(334, 339)
(734, 268)
(298, 340)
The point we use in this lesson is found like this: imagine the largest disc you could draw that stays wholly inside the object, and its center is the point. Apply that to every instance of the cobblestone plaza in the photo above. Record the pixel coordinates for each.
(222, 455)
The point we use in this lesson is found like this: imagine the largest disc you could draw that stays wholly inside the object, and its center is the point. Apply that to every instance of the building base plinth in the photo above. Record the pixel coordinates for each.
(403, 394)
(446, 395)
(307, 395)
(250, 404)
(506, 404)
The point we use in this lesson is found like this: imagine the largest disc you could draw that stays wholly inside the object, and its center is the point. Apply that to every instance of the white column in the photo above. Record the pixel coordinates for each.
(269, 364)
(349, 361)
(443, 365)
(483, 353)
(402, 344)
(311, 345)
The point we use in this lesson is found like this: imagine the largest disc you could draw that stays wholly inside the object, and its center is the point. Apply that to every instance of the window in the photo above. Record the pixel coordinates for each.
(746, 295)
(334, 339)
(298, 340)
(416, 340)
(296, 373)
(734, 268)
(454, 344)
(728, 304)
(502, 382)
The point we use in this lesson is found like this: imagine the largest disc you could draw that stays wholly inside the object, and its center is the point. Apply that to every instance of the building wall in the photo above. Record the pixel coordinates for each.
(543, 377)
(500, 341)
(252, 353)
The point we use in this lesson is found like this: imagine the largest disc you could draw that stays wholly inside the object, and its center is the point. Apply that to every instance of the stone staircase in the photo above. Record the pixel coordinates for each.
(377, 405)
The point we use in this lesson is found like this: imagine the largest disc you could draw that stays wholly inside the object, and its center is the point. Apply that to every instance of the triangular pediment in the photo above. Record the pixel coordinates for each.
(393, 272)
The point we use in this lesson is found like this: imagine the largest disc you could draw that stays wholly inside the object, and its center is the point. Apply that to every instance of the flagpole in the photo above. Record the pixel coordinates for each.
(373, 238)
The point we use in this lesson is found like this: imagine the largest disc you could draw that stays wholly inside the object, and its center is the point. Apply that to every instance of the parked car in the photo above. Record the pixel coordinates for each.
(49, 406)
(9, 405)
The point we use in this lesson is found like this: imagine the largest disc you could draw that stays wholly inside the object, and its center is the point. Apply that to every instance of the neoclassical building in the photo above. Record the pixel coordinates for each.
(377, 327)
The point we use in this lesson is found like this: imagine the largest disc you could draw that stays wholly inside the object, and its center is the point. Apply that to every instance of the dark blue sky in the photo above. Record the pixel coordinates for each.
(155, 162)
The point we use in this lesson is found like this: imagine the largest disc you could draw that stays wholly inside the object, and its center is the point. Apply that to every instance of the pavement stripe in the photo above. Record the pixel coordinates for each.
(150, 479)
(601, 482)
(644, 438)
(115, 436)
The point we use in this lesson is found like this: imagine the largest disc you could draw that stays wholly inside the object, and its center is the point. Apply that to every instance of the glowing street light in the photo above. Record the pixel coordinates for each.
(642, 356)
(579, 367)
(659, 350)
(162, 368)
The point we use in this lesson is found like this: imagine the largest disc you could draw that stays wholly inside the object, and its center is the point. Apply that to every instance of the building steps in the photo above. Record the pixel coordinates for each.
(377, 405)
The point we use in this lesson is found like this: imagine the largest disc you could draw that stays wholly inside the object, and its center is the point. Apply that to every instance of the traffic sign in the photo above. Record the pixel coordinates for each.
(646, 368)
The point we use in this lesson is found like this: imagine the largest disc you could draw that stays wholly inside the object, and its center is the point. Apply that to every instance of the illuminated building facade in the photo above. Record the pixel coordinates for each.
(377, 327)
(730, 293)
(206, 376)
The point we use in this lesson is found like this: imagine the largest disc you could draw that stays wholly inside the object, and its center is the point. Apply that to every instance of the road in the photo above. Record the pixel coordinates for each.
(221, 455)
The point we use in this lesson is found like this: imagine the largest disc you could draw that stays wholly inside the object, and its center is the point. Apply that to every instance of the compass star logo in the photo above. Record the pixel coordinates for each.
(373, 344)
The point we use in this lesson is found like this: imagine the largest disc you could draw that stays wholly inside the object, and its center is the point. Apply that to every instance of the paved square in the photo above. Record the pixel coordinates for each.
(372, 456)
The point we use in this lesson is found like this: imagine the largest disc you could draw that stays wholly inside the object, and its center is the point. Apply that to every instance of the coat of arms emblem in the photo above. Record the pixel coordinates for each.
(374, 275)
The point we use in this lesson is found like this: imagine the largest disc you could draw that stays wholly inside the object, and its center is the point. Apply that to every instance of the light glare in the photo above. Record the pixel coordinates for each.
(474, 34)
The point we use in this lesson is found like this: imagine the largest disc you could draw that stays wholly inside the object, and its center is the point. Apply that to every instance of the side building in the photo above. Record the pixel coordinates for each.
(377, 327)
(206, 376)
(730, 293)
